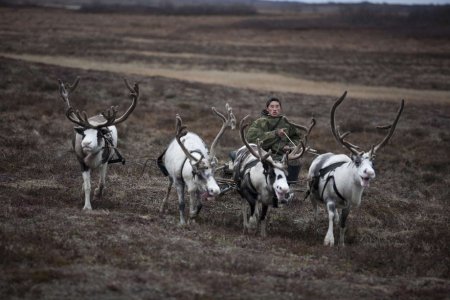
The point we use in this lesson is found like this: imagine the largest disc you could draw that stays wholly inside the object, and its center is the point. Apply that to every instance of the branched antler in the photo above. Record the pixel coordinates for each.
(340, 138)
(179, 133)
(353, 148)
(391, 128)
(110, 115)
(229, 121)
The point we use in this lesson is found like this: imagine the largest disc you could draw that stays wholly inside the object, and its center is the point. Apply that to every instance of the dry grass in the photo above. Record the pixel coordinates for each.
(398, 240)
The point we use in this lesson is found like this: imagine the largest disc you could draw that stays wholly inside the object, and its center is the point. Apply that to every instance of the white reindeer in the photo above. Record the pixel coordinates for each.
(188, 163)
(338, 181)
(259, 178)
(95, 138)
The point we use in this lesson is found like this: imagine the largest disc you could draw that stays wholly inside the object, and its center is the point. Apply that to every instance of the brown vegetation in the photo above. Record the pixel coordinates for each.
(398, 240)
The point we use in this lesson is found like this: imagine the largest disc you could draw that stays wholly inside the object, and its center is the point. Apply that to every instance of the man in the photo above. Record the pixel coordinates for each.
(277, 135)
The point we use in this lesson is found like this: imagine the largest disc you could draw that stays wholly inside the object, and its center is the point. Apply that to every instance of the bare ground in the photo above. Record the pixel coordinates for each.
(398, 240)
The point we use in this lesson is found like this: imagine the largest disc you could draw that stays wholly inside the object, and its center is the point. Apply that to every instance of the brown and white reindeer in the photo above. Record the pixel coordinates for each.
(338, 181)
(189, 164)
(95, 138)
(259, 179)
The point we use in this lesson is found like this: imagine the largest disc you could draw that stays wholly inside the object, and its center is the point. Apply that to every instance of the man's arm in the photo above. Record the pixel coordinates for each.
(257, 130)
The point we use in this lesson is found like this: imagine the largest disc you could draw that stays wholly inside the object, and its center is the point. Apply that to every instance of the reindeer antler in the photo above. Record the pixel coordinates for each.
(134, 94)
(110, 115)
(179, 133)
(229, 121)
(353, 148)
(259, 155)
(391, 128)
(73, 115)
(340, 138)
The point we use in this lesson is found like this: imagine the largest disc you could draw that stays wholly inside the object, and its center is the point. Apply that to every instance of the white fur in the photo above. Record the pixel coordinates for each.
(350, 180)
(258, 180)
(89, 152)
(180, 173)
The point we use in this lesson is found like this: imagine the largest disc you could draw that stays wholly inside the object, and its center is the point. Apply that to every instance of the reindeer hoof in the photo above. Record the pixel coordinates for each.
(329, 242)
(252, 223)
(87, 208)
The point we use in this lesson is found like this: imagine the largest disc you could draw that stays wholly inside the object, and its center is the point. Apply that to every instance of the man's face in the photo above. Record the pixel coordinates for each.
(274, 109)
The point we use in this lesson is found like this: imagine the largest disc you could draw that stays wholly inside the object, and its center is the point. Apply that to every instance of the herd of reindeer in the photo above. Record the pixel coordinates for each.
(335, 180)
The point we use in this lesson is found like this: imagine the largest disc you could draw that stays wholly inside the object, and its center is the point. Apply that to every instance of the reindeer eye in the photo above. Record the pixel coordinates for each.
(357, 160)
(279, 177)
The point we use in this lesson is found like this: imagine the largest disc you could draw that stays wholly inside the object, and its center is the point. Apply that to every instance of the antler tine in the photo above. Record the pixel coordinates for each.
(242, 127)
(311, 126)
(391, 129)
(340, 137)
(304, 128)
(134, 94)
(343, 136)
(110, 116)
(179, 133)
(72, 114)
(227, 122)
(295, 154)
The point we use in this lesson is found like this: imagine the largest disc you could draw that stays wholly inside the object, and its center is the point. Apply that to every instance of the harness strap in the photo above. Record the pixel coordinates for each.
(184, 162)
(331, 167)
(118, 159)
(334, 188)
(252, 188)
(107, 151)
(323, 172)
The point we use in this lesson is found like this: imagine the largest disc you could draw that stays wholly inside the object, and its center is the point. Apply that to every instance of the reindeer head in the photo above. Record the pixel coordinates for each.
(203, 167)
(363, 161)
(95, 128)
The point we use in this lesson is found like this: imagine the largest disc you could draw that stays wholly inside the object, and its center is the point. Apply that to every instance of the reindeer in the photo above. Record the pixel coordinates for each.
(338, 181)
(188, 163)
(259, 178)
(95, 139)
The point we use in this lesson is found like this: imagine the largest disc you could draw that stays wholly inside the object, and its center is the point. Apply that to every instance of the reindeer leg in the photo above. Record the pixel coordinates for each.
(162, 208)
(315, 208)
(194, 197)
(87, 189)
(98, 192)
(253, 221)
(244, 207)
(331, 209)
(336, 216)
(263, 219)
(343, 227)
(181, 204)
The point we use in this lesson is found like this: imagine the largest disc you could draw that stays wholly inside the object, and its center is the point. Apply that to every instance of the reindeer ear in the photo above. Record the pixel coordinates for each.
(79, 130)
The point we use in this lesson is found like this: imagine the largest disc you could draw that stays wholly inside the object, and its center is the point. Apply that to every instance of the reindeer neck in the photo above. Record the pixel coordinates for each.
(351, 190)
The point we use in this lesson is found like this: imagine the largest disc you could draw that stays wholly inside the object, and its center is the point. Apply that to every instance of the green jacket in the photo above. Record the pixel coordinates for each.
(265, 129)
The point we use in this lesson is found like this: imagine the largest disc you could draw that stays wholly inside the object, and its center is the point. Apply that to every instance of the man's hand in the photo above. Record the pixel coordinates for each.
(281, 132)
(287, 148)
